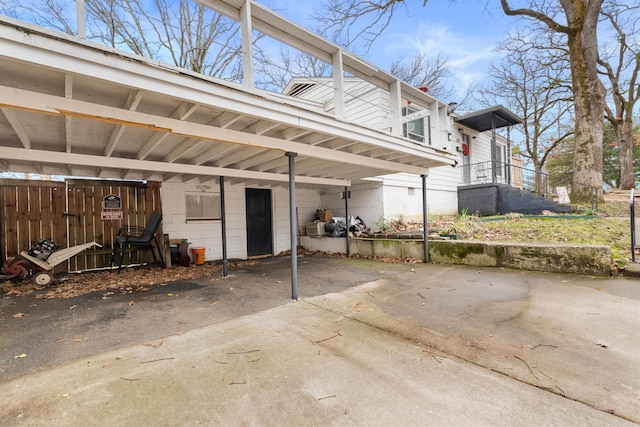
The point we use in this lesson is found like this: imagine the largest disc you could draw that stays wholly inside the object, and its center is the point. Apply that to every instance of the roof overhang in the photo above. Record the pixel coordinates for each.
(494, 117)
(72, 107)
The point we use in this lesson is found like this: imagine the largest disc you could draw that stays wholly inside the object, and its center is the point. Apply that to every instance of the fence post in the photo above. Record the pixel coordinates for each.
(632, 208)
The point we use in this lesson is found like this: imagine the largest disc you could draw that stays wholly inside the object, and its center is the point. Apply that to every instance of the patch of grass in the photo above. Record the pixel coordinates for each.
(615, 232)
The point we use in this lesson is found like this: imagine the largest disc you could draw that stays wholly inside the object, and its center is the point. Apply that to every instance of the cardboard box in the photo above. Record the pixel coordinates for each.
(315, 228)
(326, 215)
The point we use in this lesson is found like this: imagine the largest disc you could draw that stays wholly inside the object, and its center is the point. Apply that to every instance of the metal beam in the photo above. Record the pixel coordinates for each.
(292, 221)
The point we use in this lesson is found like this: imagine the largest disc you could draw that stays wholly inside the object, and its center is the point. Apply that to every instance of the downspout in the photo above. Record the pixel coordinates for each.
(292, 222)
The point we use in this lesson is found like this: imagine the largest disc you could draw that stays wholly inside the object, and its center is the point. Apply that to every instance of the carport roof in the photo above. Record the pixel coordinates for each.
(490, 118)
(73, 107)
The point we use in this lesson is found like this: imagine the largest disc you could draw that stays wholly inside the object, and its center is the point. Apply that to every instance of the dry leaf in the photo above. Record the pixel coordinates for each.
(21, 356)
(131, 303)
(77, 340)
(18, 315)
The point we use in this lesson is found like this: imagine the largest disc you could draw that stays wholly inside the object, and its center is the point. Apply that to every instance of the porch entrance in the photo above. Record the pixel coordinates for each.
(259, 229)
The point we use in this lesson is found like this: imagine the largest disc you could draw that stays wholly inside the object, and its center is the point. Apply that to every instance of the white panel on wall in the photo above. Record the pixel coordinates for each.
(366, 202)
(206, 234)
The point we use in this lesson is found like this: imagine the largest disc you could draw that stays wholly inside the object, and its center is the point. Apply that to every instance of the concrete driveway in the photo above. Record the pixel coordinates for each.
(388, 345)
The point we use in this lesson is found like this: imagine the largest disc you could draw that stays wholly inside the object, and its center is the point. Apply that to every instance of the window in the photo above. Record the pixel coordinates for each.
(413, 129)
(203, 206)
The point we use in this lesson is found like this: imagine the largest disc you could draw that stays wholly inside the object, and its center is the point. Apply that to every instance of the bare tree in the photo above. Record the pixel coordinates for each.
(275, 75)
(338, 18)
(578, 21)
(620, 66)
(422, 70)
(533, 80)
(55, 14)
(183, 32)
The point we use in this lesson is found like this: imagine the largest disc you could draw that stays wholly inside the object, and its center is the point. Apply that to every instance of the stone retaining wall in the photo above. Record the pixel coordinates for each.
(592, 260)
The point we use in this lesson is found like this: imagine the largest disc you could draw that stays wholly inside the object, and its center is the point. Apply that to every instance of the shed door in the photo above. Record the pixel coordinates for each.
(259, 230)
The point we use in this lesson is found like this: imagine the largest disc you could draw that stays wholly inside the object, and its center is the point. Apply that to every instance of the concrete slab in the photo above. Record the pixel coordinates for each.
(421, 345)
(297, 364)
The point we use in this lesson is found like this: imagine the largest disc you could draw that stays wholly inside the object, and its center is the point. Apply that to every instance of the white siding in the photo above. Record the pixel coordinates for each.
(366, 202)
(205, 234)
(208, 234)
(307, 201)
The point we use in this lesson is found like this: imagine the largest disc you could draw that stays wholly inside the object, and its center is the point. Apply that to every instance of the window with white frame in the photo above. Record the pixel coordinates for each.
(415, 129)
(203, 206)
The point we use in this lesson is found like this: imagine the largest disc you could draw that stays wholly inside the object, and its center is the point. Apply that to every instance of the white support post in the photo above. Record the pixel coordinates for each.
(396, 108)
(246, 30)
(82, 26)
(338, 85)
(436, 135)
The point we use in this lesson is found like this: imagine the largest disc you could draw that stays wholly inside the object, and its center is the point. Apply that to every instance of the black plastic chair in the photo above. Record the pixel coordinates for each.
(137, 236)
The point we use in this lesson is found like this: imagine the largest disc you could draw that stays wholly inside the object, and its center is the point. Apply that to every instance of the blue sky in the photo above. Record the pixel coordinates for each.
(465, 32)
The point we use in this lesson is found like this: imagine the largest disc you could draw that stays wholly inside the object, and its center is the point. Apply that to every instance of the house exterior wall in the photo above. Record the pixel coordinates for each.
(366, 202)
(208, 234)
(369, 105)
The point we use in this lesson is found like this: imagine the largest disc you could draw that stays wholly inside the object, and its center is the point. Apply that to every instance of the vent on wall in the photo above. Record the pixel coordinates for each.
(299, 88)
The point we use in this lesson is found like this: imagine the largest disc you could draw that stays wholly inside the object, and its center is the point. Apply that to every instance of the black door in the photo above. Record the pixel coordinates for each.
(259, 232)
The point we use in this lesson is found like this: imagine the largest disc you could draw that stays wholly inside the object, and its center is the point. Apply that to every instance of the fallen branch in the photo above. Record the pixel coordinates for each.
(337, 334)
(243, 352)
(528, 366)
(433, 355)
(543, 345)
(157, 360)
(327, 397)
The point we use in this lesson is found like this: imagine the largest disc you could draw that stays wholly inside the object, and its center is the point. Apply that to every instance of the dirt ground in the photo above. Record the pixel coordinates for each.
(51, 331)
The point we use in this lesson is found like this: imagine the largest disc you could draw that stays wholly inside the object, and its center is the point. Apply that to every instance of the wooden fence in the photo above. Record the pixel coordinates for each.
(72, 213)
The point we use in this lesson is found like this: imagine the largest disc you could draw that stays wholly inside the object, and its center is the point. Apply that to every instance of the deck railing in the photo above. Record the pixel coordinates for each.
(528, 179)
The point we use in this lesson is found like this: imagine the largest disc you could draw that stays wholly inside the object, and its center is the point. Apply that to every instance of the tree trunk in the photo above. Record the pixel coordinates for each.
(624, 134)
(538, 179)
(589, 99)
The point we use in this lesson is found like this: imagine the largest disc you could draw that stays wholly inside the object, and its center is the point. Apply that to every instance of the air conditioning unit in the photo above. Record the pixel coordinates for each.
(315, 228)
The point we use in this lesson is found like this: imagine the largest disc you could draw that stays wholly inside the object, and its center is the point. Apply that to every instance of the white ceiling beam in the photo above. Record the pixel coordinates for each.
(261, 126)
(225, 119)
(131, 103)
(277, 162)
(51, 157)
(49, 104)
(68, 121)
(252, 161)
(233, 158)
(17, 126)
(183, 112)
(182, 149)
(212, 153)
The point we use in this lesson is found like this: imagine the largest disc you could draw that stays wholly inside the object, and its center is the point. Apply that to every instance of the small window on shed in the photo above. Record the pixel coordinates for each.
(203, 206)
